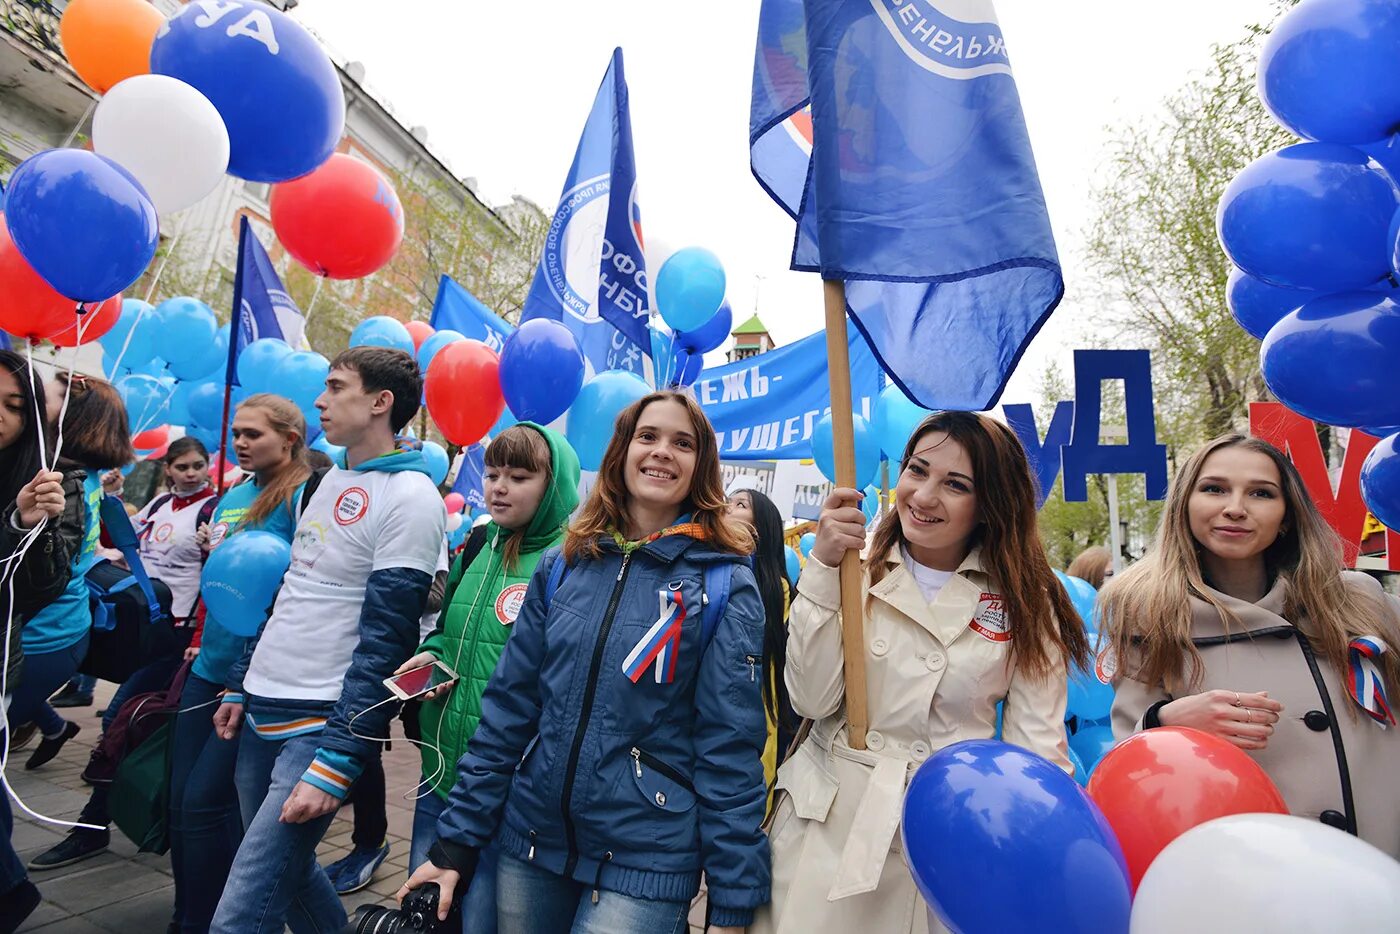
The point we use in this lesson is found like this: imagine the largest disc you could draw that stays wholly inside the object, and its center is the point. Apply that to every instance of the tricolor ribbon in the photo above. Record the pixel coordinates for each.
(661, 643)
(1365, 685)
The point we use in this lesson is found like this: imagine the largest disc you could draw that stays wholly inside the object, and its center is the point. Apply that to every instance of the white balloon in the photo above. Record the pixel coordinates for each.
(454, 521)
(166, 134)
(1268, 874)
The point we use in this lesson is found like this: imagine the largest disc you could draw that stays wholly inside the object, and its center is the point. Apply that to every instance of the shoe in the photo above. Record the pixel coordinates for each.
(356, 871)
(16, 905)
(80, 844)
(48, 748)
(68, 697)
(21, 736)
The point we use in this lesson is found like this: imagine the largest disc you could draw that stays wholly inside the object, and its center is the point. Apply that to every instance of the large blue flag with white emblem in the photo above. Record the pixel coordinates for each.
(261, 305)
(592, 275)
(456, 309)
(918, 189)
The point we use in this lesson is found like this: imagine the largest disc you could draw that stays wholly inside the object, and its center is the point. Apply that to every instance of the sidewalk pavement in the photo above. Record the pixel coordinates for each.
(125, 892)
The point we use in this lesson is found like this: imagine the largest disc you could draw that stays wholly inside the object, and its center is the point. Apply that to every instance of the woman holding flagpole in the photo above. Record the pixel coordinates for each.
(961, 612)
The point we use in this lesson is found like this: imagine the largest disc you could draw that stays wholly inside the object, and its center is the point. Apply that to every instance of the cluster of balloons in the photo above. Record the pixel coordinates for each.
(1313, 229)
(695, 318)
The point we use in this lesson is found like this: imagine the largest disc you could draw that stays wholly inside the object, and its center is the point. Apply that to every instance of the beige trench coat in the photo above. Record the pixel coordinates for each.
(934, 676)
(1331, 762)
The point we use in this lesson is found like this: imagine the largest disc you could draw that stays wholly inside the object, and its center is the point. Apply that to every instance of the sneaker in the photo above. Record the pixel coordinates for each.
(22, 735)
(356, 871)
(80, 844)
(48, 748)
(70, 697)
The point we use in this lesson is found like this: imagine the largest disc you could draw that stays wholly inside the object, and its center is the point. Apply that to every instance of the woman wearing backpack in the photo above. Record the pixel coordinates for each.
(531, 488)
(618, 753)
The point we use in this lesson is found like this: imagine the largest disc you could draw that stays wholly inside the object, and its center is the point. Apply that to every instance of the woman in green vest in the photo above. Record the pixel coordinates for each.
(531, 488)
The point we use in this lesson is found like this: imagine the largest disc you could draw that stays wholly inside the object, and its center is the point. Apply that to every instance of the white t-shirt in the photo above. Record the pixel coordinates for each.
(930, 580)
(169, 551)
(358, 522)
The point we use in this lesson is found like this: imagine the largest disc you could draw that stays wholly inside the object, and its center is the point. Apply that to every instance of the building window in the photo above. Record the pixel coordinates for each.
(258, 191)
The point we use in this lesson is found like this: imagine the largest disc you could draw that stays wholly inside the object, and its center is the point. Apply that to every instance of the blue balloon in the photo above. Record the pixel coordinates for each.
(666, 357)
(178, 408)
(187, 330)
(82, 222)
(1001, 717)
(245, 56)
(205, 403)
(691, 367)
(709, 335)
(438, 464)
(333, 451)
(1392, 243)
(1257, 306)
(457, 536)
(690, 288)
(1327, 70)
(383, 331)
(301, 377)
(146, 401)
(541, 370)
(867, 450)
(1081, 771)
(1091, 742)
(794, 564)
(210, 361)
(1333, 360)
(259, 364)
(1309, 216)
(806, 542)
(1380, 481)
(142, 347)
(896, 417)
(241, 578)
(1082, 594)
(870, 505)
(433, 344)
(595, 410)
(999, 839)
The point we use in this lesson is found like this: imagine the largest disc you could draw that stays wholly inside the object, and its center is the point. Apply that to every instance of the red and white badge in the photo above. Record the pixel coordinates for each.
(1106, 664)
(163, 532)
(351, 506)
(510, 601)
(216, 533)
(989, 620)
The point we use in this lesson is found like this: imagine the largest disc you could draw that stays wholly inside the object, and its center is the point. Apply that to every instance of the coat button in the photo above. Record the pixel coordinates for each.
(1317, 721)
(874, 741)
(1333, 819)
(879, 647)
(919, 750)
(934, 661)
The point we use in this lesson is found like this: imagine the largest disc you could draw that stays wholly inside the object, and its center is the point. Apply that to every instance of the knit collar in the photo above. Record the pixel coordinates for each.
(682, 526)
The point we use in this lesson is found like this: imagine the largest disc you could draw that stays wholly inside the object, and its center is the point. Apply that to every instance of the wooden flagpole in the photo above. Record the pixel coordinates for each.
(843, 439)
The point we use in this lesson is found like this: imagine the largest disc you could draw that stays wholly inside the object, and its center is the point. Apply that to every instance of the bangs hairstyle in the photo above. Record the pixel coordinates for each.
(1148, 614)
(95, 431)
(520, 448)
(20, 461)
(281, 483)
(382, 368)
(1040, 613)
(182, 446)
(607, 504)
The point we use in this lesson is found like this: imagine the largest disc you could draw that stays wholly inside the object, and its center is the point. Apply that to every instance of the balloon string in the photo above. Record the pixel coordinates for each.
(39, 417)
(165, 260)
(92, 105)
(306, 318)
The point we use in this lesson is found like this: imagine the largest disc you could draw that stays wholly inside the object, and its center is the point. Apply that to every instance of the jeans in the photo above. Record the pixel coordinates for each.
(532, 900)
(205, 827)
(11, 868)
(43, 674)
(479, 903)
(367, 798)
(275, 878)
(82, 684)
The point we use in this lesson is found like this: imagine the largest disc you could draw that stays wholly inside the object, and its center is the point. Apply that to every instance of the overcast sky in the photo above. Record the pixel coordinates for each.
(504, 87)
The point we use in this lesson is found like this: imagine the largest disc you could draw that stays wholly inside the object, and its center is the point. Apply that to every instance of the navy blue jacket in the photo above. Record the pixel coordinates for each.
(630, 787)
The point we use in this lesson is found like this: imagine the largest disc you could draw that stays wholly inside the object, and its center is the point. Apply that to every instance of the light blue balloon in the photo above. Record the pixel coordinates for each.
(187, 329)
(301, 377)
(146, 400)
(1091, 743)
(438, 464)
(690, 288)
(209, 362)
(205, 404)
(1081, 771)
(143, 343)
(870, 505)
(593, 413)
(794, 564)
(1082, 594)
(259, 364)
(382, 331)
(806, 542)
(505, 421)
(867, 450)
(178, 408)
(333, 451)
(241, 577)
(895, 419)
(457, 536)
(433, 344)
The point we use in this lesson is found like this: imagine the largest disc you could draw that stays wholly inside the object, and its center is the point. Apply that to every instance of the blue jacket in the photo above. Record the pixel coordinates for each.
(630, 787)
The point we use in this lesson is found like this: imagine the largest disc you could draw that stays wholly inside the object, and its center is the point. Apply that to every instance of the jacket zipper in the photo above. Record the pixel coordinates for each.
(638, 757)
(589, 690)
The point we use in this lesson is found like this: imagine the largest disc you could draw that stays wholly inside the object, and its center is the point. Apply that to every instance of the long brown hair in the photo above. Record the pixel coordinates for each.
(519, 448)
(281, 485)
(1091, 565)
(1040, 611)
(95, 432)
(607, 503)
(1147, 609)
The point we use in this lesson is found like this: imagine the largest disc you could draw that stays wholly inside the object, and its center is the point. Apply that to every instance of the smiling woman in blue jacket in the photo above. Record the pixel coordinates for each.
(618, 754)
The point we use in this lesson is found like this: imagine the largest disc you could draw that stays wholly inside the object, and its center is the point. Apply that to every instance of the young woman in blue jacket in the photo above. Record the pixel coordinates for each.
(618, 754)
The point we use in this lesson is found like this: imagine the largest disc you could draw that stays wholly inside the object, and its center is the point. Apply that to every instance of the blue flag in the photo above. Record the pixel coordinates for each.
(456, 309)
(921, 192)
(5, 343)
(592, 274)
(470, 477)
(261, 306)
(764, 407)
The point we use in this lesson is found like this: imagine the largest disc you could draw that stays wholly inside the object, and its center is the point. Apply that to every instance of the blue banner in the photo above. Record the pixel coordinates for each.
(921, 192)
(5, 342)
(592, 274)
(261, 306)
(764, 407)
(470, 477)
(456, 309)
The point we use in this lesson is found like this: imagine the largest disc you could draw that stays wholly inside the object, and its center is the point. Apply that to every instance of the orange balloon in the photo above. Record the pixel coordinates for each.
(107, 41)
(419, 331)
(1156, 785)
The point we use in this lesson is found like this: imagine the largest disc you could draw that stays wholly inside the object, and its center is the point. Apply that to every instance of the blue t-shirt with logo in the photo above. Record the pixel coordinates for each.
(219, 648)
(65, 621)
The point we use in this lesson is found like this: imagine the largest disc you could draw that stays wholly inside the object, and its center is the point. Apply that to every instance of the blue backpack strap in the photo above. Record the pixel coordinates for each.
(123, 536)
(716, 584)
(557, 570)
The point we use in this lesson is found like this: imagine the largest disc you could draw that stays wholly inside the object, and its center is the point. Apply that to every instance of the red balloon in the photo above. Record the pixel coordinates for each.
(152, 438)
(419, 331)
(99, 320)
(454, 501)
(343, 220)
(1156, 785)
(29, 306)
(463, 390)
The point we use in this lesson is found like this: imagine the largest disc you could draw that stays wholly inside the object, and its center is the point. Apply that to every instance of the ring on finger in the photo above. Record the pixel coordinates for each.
(1238, 702)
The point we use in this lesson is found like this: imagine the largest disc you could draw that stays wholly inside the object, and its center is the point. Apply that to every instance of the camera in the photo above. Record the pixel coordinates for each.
(417, 915)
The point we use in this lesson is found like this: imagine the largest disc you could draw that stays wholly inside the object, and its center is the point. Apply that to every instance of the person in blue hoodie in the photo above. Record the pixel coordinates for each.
(311, 685)
(618, 753)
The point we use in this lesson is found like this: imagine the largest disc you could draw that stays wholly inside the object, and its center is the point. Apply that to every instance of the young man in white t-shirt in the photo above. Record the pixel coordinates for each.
(346, 616)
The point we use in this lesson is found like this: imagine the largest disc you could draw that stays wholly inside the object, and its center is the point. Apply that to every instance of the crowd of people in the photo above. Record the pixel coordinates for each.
(633, 695)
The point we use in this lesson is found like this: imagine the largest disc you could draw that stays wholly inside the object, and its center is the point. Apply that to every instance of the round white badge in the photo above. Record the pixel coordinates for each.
(509, 602)
(351, 506)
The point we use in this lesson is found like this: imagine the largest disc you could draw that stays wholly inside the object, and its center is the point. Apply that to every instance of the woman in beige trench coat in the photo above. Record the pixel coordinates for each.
(1240, 622)
(961, 613)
